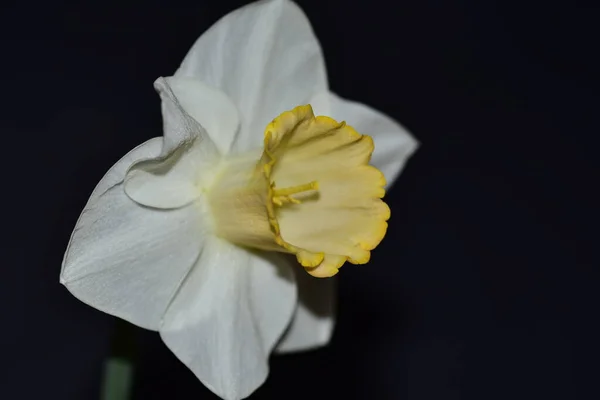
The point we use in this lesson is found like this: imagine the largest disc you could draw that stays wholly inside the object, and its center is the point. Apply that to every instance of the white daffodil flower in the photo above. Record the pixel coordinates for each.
(182, 235)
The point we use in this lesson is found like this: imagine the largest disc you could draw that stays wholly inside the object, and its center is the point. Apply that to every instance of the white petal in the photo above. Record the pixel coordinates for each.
(393, 143)
(226, 317)
(125, 259)
(171, 180)
(211, 107)
(265, 57)
(314, 318)
(178, 126)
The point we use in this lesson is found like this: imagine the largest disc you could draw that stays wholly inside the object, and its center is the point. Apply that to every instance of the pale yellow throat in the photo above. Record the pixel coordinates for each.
(312, 194)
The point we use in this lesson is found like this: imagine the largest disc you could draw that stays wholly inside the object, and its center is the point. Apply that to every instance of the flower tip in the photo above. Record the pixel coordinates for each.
(160, 84)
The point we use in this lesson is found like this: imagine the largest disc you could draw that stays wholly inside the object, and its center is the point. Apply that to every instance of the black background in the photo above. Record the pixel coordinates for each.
(486, 286)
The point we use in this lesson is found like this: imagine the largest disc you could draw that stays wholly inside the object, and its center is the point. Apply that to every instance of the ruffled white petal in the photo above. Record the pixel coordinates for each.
(172, 179)
(226, 317)
(211, 107)
(314, 319)
(125, 259)
(393, 143)
(265, 57)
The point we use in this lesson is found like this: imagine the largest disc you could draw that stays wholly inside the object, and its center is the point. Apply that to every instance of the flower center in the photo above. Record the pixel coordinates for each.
(311, 193)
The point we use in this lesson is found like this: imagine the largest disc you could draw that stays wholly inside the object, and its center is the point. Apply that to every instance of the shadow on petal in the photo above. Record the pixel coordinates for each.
(315, 294)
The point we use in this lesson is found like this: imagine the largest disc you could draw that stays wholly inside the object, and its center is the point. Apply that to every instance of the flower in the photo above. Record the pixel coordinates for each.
(173, 238)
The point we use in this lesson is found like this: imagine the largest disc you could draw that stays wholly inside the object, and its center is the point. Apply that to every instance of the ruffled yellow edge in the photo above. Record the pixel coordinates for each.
(312, 261)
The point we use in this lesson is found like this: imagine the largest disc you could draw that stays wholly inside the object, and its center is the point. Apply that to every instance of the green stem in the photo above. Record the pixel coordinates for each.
(118, 369)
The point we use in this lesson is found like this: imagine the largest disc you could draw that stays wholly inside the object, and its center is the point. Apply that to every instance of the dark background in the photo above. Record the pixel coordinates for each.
(486, 286)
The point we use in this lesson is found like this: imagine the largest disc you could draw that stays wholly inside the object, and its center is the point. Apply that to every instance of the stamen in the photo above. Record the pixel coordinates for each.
(282, 196)
(281, 200)
(296, 189)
